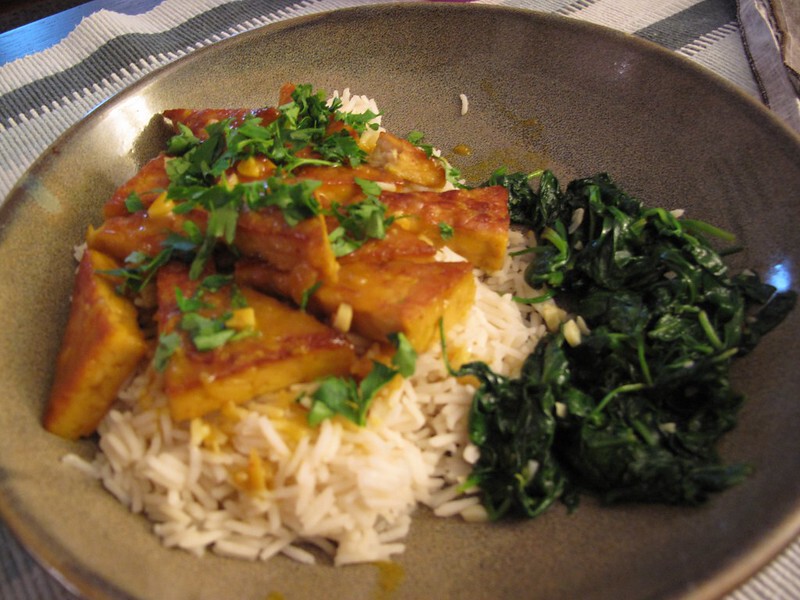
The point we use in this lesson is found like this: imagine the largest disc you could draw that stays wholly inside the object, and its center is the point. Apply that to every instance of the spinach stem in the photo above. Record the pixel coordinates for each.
(643, 361)
(534, 300)
(712, 336)
(709, 229)
(644, 432)
(628, 387)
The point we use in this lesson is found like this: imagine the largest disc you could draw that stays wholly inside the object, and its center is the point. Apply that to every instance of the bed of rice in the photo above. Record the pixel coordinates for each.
(255, 481)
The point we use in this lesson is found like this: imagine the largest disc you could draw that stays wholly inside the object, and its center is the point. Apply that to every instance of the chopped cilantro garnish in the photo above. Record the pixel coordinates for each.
(342, 396)
(133, 203)
(446, 231)
(168, 343)
(182, 142)
(360, 221)
(360, 122)
(405, 357)
(296, 200)
(206, 332)
(307, 293)
(416, 137)
(141, 268)
(369, 187)
(341, 147)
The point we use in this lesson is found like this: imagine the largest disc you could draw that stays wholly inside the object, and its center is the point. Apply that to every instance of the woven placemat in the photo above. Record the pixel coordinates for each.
(751, 44)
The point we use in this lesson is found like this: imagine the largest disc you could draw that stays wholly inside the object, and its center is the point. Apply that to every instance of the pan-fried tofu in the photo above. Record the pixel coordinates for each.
(198, 119)
(102, 347)
(120, 236)
(338, 183)
(302, 252)
(408, 296)
(478, 220)
(148, 183)
(407, 161)
(399, 296)
(397, 245)
(287, 346)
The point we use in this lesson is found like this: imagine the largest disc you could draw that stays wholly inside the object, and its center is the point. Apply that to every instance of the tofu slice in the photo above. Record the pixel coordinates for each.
(339, 185)
(408, 296)
(102, 347)
(400, 296)
(119, 236)
(478, 218)
(148, 183)
(302, 252)
(407, 161)
(289, 347)
(198, 119)
(397, 245)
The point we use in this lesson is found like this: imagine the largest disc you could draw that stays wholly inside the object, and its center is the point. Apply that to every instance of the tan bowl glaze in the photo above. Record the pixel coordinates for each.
(544, 92)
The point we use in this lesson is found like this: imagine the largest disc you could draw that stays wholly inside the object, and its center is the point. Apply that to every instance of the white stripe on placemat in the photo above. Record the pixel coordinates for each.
(722, 52)
(777, 581)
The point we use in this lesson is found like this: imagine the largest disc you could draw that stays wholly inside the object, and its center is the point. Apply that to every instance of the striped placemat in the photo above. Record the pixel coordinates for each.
(42, 94)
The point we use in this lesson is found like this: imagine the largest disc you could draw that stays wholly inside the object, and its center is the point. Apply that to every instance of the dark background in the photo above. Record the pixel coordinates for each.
(14, 13)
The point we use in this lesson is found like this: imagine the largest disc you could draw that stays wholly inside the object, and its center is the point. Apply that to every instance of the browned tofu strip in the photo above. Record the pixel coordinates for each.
(399, 296)
(148, 183)
(198, 119)
(290, 347)
(397, 245)
(402, 158)
(405, 296)
(101, 348)
(120, 236)
(339, 185)
(479, 219)
(302, 252)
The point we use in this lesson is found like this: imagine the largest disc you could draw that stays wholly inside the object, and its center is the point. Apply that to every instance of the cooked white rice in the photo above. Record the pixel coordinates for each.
(255, 481)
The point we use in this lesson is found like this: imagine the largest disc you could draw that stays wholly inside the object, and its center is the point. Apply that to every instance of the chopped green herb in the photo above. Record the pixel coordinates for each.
(182, 142)
(416, 137)
(360, 122)
(405, 357)
(342, 396)
(168, 343)
(307, 293)
(341, 147)
(296, 200)
(446, 231)
(369, 187)
(205, 332)
(141, 268)
(360, 221)
(133, 203)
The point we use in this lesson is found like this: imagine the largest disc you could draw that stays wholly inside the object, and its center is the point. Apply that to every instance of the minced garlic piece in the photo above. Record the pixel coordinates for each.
(572, 333)
(343, 317)
(552, 315)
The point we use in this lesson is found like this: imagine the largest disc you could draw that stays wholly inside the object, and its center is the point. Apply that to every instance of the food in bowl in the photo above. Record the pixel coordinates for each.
(293, 327)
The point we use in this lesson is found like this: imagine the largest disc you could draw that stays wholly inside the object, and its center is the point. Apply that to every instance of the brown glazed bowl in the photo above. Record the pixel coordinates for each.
(543, 91)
